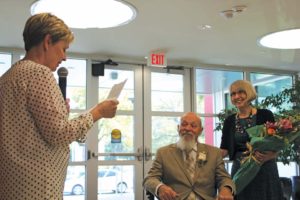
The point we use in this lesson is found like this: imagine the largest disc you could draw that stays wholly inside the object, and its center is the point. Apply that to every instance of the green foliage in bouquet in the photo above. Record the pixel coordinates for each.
(271, 136)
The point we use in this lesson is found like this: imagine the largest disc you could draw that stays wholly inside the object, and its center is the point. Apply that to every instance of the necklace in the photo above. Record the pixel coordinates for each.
(241, 125)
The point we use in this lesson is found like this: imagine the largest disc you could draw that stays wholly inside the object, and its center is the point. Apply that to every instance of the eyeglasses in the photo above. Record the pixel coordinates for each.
(239, 92)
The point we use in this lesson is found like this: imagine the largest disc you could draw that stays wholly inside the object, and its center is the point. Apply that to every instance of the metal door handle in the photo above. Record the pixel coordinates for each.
(139, 155)
(148, 154)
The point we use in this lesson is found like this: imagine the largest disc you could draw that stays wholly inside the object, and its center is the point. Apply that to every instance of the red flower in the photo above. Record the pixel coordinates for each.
(285, 124)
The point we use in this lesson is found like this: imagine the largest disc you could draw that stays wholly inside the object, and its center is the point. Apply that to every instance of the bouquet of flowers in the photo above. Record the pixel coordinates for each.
(267, 137)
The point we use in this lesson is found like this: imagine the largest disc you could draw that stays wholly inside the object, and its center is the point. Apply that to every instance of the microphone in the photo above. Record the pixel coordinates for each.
(62, 73)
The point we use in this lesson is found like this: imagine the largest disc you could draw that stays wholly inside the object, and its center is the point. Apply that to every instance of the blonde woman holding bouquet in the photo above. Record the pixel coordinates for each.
(266, 184)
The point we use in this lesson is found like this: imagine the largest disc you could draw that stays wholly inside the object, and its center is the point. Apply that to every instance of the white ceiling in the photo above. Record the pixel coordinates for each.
(175, 27)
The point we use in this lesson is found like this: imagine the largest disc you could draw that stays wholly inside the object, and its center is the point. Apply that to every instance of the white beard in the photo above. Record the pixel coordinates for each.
(186, 145)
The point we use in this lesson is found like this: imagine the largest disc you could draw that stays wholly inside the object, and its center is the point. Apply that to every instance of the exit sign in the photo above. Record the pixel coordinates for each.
(157, 60)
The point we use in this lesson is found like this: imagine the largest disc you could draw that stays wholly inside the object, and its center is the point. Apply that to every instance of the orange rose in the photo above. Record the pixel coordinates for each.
(271, 131)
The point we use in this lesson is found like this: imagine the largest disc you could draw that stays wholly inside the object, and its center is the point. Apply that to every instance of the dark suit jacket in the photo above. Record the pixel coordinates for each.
(168, 168)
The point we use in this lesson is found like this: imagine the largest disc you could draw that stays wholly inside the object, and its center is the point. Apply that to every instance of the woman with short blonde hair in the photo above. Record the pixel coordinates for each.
(38, 26)
(266, 184)
(35, 130)
(245, 86)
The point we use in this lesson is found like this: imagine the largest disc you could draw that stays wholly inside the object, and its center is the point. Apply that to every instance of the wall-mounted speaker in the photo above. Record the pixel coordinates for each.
(98, 69)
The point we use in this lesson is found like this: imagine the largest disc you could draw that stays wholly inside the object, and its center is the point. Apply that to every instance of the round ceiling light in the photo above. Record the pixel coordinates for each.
(88, 13)
(288, 39)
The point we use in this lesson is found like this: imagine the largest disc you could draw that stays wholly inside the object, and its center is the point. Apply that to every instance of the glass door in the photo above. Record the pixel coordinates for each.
(167, 97)
(119, 151)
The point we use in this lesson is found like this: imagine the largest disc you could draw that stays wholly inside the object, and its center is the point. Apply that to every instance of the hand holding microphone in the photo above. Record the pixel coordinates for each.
(62, 82)
(62, 73)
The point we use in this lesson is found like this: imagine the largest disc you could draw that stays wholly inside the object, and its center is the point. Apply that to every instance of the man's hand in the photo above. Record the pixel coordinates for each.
(166, 193)
(225, 193)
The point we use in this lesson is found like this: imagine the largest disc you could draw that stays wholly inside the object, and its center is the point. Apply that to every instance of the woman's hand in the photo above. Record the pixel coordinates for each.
(265, 156)
(105, 109)
(68, 104)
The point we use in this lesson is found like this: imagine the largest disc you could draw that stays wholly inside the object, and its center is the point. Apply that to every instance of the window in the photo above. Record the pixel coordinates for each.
(268, 84)
(5, 62)
(167, 105)
(211, 97)
(123, 122)
(76, 82)
(169, 97)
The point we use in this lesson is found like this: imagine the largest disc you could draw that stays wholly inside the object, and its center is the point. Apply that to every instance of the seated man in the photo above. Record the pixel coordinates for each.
(188, 170)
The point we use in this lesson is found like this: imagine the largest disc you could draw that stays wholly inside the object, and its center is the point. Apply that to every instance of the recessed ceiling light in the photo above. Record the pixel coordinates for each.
(227, 14)
(88, 13)
(205, 27)
(288, 39)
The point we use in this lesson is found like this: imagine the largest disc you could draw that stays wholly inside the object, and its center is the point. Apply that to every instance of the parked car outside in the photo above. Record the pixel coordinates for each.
(109, 180)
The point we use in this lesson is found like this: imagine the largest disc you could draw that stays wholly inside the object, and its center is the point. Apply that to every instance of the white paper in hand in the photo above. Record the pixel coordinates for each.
(116, 90)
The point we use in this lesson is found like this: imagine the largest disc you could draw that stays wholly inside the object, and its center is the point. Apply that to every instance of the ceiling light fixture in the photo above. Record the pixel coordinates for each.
(228, 14)
(204, 27)
(288, 39)
(88, 13)
(239, 8)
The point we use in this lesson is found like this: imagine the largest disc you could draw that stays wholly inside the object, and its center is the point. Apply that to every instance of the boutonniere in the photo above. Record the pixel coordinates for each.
(202, 158)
